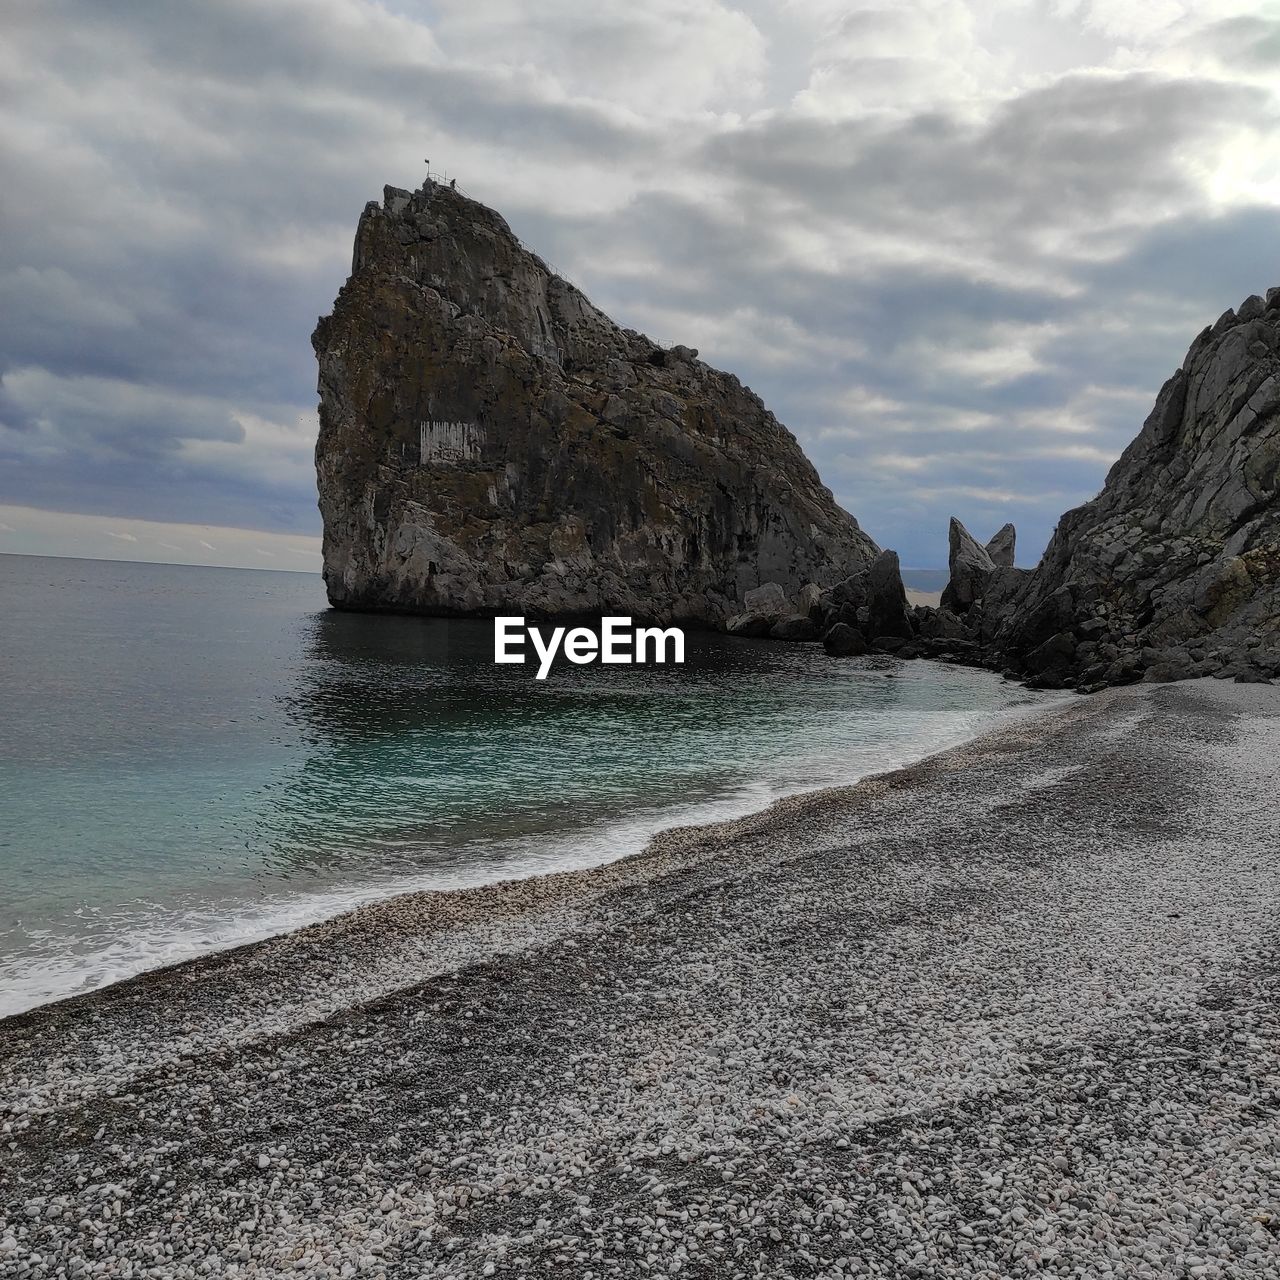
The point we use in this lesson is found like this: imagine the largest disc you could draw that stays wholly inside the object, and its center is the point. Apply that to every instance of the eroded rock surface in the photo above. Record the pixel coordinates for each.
(971, 567)
(1173, 571)
(491, 442)
(1002, 545)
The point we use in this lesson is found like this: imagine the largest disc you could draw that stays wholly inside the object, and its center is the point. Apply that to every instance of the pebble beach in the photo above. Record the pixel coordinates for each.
(1010, 1011)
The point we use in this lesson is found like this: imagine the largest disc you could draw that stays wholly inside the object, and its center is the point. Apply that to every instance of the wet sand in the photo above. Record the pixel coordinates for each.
(1009, 1011)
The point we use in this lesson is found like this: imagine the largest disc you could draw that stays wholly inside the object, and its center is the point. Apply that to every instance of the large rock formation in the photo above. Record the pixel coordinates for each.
(491, 442)
(1174, 569)
(970, 565)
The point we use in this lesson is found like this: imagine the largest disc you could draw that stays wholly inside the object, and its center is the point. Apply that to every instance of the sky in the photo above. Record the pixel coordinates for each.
(956, 246)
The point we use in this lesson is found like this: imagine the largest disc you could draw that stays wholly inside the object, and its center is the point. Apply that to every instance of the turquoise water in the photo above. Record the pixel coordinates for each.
(196, 757)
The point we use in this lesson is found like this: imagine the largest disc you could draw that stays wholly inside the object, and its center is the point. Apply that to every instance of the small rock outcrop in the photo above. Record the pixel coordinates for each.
(1001, 547)
(490, 442)
(888, 613)
(872, 603)
(844, 641)
(1173, 571)
(970, 565)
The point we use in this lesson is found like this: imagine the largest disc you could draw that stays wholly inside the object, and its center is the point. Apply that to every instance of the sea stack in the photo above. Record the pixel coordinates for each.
(490, 442)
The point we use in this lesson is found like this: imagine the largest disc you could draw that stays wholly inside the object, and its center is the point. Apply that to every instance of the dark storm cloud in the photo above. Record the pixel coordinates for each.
(955, 309)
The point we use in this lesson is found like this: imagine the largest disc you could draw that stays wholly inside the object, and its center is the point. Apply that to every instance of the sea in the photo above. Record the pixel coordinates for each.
(193, 758)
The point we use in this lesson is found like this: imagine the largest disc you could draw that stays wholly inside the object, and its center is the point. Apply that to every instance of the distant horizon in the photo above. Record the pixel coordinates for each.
(35, 531)
(268, 568)
(956, 248)
(159, 564)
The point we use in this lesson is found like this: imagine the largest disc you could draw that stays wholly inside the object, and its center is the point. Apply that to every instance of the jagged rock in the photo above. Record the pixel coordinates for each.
(751, 625)
(1004, 587)
(491, 442)
(798, 627)
(1055, 654)
(940, 624)
(769, 600)
(843, 641)
(1001, 547)
(1180, 553)
(1252, 675)
(888, 613)
(970, 566)
(872, 601)
(889, 644)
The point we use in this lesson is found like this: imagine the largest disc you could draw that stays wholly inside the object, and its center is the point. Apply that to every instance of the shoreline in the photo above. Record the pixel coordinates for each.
(845, 978)
(250, 924)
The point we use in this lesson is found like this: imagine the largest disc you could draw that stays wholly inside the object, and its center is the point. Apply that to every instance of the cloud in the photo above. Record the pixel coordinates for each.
(34, 531)
(955, 245)
(665, 57)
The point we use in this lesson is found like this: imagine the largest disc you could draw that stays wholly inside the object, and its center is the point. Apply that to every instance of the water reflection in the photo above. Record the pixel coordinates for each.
(189, 753)
(420, 745)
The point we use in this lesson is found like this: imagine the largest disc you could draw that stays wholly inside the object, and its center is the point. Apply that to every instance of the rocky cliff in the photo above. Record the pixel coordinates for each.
(1173, 571)
(491, 442)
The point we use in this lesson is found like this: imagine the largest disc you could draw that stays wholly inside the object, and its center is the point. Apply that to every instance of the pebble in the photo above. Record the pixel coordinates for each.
(1009, 1013)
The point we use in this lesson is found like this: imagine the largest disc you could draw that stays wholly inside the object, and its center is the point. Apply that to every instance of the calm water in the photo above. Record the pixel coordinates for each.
(191, 758)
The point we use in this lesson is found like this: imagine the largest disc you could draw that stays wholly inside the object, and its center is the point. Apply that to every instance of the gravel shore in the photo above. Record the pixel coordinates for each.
(1011, 1011)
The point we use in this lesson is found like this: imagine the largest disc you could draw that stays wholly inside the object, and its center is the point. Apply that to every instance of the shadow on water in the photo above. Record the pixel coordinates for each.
(419, 744)
(198, 756)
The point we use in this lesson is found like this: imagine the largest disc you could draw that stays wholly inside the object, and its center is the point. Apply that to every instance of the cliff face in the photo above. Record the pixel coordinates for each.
(491, 442)
(1174, 569)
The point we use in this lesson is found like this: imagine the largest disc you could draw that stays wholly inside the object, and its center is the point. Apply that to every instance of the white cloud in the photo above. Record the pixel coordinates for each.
(948, 240)
(35, 531)
(660, 58)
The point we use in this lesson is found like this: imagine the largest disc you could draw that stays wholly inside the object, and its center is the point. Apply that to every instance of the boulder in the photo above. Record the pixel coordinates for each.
(1056, 654)
(751, 625)
(940, 624)
(768, 599)
(798, 627)
(842, 641)
(889, 644)
(809, 601)
(850, 591)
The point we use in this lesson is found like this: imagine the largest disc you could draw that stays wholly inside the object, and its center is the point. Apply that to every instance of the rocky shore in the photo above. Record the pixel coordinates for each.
(491, 442)
(1012, 1011)
(1173, 571)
